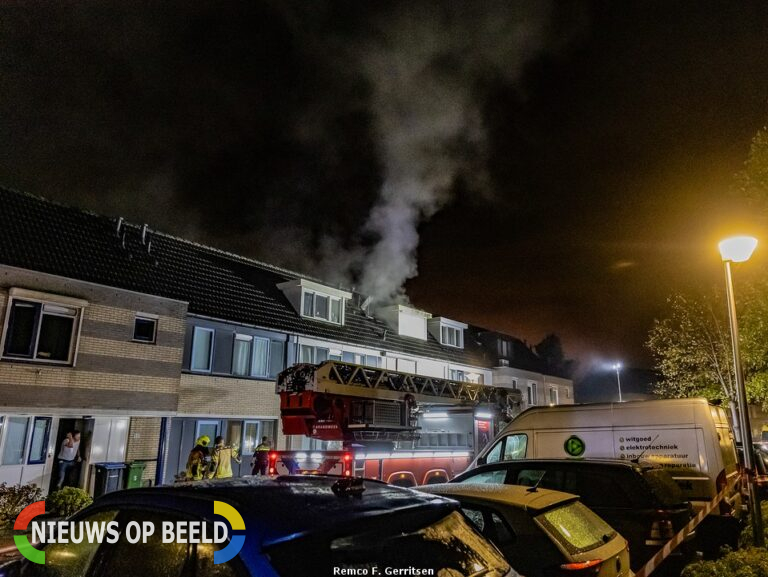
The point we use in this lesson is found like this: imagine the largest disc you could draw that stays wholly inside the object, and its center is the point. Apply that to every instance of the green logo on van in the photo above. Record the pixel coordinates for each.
(574, 446)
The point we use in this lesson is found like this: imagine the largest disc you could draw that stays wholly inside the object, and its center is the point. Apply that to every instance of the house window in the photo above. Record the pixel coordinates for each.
(202, 349)
(504, 348)
(314, 355)
(15, 440)
(145, 329)
(323, 307)
(457, 375)
(451, 336)
(553, 396)
(531, 393)
(41, 331)
(260, 365)
(250, 356)
(38, 448)
(241, 355)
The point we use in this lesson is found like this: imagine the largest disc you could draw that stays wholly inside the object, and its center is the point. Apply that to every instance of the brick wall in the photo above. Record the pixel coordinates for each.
(230, 397)
(143, 441)
(111, 371)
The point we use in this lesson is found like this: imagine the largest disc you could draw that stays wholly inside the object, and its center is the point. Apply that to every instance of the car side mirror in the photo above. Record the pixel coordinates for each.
(481, 460)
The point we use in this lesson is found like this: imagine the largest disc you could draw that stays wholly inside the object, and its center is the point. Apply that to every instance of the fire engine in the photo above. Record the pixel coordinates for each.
(398, 427)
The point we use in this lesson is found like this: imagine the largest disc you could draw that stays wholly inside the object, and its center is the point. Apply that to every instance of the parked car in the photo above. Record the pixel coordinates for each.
(642, 502)
(294, 526)
(541, 532)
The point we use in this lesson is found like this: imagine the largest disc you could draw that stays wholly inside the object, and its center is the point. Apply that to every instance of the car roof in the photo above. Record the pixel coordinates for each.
(534, 501)
(281, 508)
(642, 465)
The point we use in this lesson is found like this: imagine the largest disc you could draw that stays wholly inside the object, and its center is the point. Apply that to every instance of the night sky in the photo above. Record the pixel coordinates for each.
(530, 167)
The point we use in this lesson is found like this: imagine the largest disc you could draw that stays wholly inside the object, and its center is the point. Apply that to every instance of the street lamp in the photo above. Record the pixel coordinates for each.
(617, 368)
(739, 249)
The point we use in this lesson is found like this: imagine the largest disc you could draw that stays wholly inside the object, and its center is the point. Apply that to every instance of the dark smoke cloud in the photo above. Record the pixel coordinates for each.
(315, 135)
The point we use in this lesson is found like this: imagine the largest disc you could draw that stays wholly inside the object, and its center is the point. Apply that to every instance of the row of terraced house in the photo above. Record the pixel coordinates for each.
(143, 341)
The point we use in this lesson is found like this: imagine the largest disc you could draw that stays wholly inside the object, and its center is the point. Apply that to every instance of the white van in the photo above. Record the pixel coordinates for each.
(690, 437)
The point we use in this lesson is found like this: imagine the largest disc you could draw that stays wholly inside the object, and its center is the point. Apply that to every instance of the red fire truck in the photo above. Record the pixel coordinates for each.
(398, 427)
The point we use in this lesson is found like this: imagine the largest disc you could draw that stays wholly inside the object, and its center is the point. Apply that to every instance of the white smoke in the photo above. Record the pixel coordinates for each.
(425, 65)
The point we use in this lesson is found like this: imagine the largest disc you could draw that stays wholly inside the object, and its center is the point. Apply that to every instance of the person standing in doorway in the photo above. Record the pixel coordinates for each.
(69, 456)
(261, 458)
(221, 460)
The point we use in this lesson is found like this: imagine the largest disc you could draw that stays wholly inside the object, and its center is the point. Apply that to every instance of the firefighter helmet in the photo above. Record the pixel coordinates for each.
(203, 441)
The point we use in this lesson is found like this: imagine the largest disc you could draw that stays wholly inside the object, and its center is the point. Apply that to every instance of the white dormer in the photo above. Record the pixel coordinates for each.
(407, 321)
(447, 332)
(316, 301)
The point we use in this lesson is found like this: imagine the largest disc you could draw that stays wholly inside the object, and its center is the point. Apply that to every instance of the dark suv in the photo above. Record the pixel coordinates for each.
(642, 502)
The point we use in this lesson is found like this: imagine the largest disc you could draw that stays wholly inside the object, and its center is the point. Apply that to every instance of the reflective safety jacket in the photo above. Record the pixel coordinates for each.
(221, 462)
(195, 464)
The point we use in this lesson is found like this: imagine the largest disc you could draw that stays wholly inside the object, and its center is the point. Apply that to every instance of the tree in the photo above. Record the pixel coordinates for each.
(692, 346)
(550, 350)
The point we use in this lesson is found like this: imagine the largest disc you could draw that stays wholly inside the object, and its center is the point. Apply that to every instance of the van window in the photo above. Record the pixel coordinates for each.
(508, 448)
(494, 455)
(515, 447)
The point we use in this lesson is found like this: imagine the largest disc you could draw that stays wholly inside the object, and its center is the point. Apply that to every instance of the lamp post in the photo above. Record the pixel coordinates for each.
(617, 368)
(739, 249)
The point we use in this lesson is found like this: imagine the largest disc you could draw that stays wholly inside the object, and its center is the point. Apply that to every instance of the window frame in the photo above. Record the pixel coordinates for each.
(39, 301)
(146, 317)
(212, 332)
(532, 396)
(267, 358)
(309, 309)
(554, 399)
(458, 334)
(249, 360)
(46, 440)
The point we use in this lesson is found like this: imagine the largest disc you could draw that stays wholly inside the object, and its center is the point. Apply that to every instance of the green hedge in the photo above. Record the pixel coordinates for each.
(749, 562)
(67, 501)
(13, 498)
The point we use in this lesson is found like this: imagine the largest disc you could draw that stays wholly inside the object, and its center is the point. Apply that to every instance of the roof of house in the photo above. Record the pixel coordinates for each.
(44, 236)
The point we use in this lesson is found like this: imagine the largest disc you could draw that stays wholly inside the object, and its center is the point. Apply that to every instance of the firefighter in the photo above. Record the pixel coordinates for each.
(261, 458)
(221, 460)
(196, 462)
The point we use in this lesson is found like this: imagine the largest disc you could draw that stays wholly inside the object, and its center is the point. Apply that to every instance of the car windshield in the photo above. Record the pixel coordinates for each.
(449, 547)
(575, 527)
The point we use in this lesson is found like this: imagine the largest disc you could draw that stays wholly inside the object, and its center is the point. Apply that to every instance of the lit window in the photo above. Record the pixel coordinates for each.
(451, 336)
(202, 349)
(41, 331)
(323, 307)
(553, 396)
(144, 329)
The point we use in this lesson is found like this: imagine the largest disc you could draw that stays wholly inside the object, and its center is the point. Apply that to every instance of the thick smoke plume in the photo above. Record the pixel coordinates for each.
(427, 66)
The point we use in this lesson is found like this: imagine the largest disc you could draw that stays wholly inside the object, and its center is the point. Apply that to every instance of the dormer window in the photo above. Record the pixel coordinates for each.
(451, 336)
(320, 306)
(447, 332)
(313, 300)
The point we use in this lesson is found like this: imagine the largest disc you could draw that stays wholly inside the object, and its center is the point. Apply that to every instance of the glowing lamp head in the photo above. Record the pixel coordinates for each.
(737, 248)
